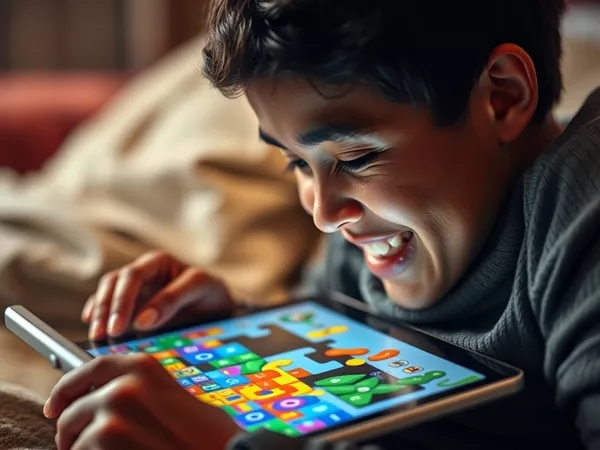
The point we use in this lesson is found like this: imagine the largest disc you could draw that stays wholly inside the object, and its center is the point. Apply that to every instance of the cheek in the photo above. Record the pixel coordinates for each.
(306, 194)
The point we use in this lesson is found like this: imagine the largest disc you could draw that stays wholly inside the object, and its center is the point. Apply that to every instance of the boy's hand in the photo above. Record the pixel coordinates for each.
(155, 287)
(135, 405)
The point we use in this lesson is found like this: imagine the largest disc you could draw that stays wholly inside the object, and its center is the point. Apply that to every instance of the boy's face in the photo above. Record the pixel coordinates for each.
(417, 198)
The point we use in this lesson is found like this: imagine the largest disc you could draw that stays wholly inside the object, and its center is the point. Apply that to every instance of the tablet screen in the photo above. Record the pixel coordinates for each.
(298, 369)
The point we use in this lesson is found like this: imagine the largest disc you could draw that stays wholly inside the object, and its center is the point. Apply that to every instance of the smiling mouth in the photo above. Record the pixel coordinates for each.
(387, 256)
(389, 247)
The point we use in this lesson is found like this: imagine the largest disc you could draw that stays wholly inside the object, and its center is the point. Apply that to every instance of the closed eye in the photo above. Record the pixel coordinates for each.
(358, 164)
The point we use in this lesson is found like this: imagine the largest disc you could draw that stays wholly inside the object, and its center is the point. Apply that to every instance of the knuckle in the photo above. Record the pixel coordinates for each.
(145, 363)
(112, 429)
(123, 394)
(102, 363)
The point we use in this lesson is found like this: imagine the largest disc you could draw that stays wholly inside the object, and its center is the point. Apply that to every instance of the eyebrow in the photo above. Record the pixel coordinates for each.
(324, 133)
(334, 133)
(269, 140)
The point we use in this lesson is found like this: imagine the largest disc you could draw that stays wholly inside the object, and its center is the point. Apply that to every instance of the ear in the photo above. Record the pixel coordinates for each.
(513, 94)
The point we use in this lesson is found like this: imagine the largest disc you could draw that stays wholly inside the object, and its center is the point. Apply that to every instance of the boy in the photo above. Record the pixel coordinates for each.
(457, 202)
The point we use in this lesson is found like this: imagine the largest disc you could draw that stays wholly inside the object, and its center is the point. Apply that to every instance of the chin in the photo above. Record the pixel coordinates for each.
(412, 297)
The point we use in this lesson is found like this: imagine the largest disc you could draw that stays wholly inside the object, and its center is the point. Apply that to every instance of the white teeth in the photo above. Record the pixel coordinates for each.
(377, 248)
(395, 242)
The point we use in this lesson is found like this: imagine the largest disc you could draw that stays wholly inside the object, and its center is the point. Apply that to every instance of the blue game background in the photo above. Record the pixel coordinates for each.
(357, 336)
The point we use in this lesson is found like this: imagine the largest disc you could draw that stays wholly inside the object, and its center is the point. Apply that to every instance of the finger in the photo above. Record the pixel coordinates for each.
(73, 421)
(96, 374)
(132, 278)
(102, 300)
(86, 313)
(192, 287)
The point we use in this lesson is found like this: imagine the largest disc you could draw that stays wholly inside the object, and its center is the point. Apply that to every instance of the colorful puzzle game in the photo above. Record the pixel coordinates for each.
(297, 369)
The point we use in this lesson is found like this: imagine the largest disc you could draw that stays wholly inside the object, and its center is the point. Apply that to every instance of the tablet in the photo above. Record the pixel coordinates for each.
(323, 368)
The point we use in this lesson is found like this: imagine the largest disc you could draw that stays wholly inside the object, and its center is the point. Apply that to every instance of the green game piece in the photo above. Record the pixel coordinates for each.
(255, 428)
(155, 349)
(174, 341)
(367, 385)
(279, 426)
(168, 361)
(252, 367)
(421, 379)
(468, 380)
(342, 380)
(386, 389)
(223, 362)
(358, 400)
(246, 357)
(340, 390)
(230, 410)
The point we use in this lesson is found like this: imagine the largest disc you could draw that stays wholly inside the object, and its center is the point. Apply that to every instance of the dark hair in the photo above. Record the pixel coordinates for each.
(426, 52)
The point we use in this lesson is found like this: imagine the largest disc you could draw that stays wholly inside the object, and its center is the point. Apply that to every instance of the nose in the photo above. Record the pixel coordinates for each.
(333, 211)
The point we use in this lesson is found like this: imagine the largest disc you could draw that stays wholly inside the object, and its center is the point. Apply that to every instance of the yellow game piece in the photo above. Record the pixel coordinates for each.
(274, 365)
(317, 393)
(336, 329)
(301, 389)
(212, 344)
(214, 332)
(244, 407)
(355, 362)
(174, 367)
(251, 392)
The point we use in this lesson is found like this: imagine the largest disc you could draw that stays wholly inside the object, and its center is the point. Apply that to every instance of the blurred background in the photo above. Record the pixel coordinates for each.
(70, 57)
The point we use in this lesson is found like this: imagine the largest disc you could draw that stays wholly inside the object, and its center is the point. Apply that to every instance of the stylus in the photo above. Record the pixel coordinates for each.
(63, 354)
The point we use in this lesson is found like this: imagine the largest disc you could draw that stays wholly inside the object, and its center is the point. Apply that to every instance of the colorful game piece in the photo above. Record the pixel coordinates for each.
(194, 390)
(335, 418)
(318, 334)
(174, 367)
(413, 369)
(346, 352)
(192, 335)
(384, 354)
(421, 379)
(252, 367)
(254, 418)
(184, 382)
(199, 379)
(262, 376)
(232, 381)
(245, 357)
(396, 364)
(308, 426)
(168, 361)
(173, 340)
(198, 358)
(299, 373)
(467, 380)
(210, 387)
(212, 344)
(233, 349)
(300, 317)
(191, 349)
(232, 371)
(278, 426)
(186, 373)
(214, 331)
(224, 362)
(341, 380)
(355, 362)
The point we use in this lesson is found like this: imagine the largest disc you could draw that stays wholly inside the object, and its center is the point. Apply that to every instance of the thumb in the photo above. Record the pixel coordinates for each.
(193, 289)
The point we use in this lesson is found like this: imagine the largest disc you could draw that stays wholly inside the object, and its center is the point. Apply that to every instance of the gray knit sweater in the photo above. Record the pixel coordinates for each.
(531, 299)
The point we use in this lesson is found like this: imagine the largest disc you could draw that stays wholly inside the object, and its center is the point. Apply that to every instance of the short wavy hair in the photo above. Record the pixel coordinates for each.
(425, 52)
